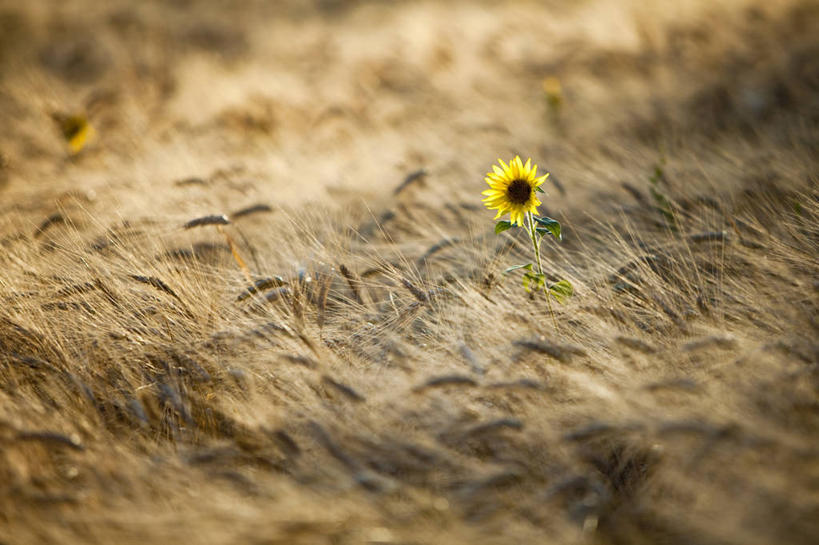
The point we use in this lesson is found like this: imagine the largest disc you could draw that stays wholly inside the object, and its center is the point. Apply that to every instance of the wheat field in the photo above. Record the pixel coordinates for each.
(264, 304)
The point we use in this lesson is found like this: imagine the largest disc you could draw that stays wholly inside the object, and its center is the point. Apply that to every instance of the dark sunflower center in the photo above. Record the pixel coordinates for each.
(519, 192)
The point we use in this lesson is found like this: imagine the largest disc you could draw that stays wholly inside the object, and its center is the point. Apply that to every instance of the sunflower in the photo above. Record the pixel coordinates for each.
(512, 189)
(75, 129)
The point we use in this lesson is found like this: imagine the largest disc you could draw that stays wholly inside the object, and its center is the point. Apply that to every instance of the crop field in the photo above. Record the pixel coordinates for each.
(250, 293)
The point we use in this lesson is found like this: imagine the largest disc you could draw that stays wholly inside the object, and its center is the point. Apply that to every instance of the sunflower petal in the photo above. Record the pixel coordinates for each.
(542, 179)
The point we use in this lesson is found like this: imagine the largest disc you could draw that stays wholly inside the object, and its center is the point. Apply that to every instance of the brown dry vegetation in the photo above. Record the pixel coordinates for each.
(386, 384)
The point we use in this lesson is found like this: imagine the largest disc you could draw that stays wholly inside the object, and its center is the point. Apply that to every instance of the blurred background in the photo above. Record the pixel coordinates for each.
(320, 99)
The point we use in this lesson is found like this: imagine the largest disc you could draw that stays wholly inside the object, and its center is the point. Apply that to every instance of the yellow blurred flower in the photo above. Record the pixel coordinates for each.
(512, 189)
(75, 129)
(553, 91)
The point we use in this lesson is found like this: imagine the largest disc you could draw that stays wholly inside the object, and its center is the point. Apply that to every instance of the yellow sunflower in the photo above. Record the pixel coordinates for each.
(512, 189)
(75, 129)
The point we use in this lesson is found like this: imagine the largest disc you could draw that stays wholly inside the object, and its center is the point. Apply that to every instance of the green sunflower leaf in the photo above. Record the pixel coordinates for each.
(561, 290)
(528, 266)
(502, 226)
(533, 280)
(548, 225)
(539, 189)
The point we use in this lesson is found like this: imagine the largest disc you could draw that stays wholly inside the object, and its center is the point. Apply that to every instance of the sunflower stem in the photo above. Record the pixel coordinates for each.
(536, 246)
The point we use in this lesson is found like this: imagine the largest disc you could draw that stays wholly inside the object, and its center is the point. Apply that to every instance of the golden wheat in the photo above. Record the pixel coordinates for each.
(368, 374)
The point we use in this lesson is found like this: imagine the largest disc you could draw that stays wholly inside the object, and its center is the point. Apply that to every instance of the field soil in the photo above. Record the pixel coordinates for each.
(263, 303)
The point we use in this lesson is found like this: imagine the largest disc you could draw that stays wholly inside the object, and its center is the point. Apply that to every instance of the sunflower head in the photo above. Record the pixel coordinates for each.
(512, 189)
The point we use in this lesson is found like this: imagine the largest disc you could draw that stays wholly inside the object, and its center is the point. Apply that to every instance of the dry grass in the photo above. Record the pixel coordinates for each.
(378, 380)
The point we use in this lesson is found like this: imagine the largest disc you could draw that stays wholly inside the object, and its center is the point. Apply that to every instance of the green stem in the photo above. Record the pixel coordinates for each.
(535, 241)
(536, 247)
